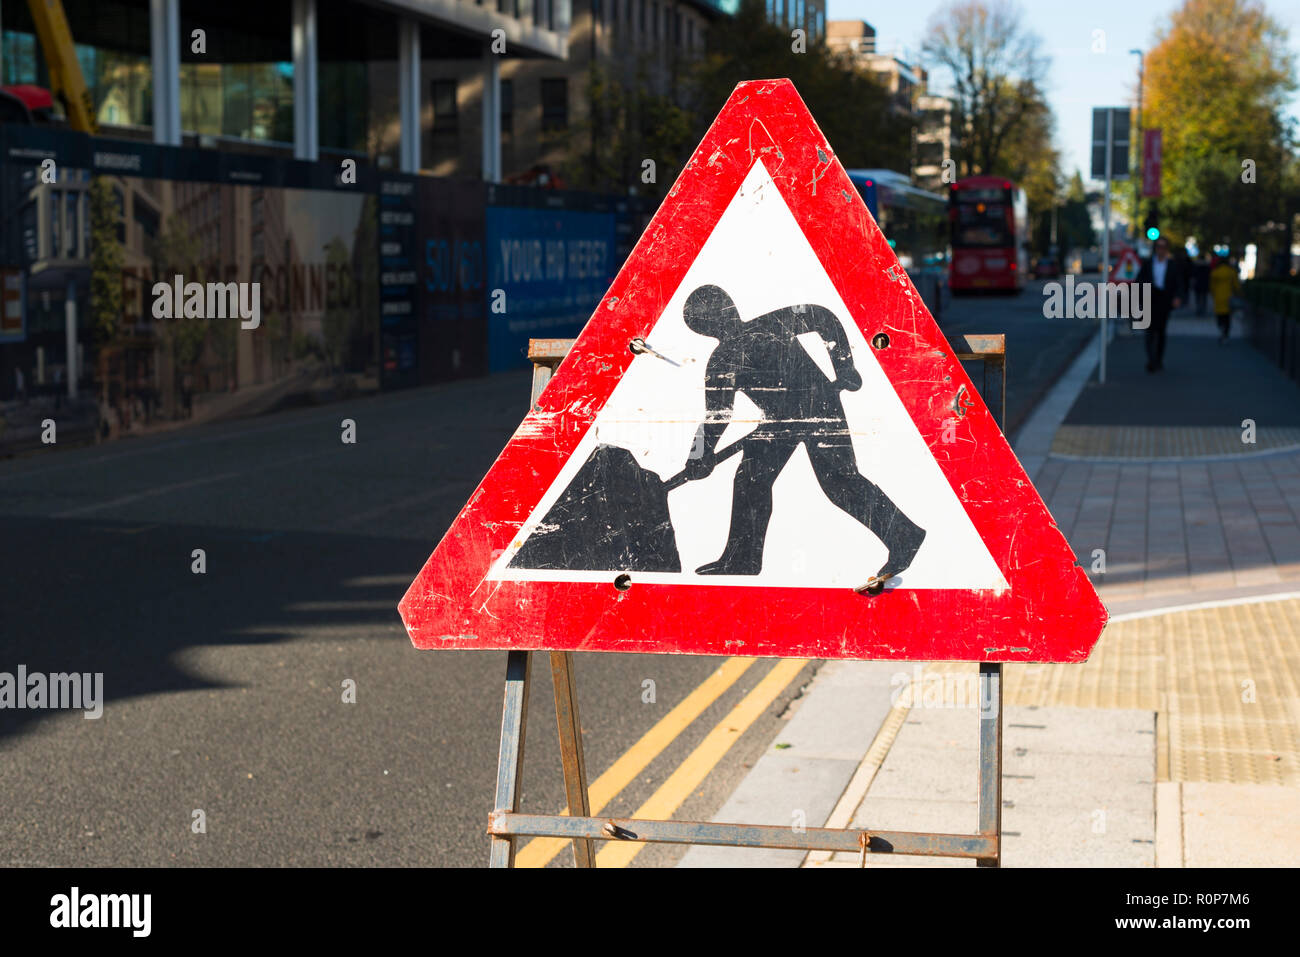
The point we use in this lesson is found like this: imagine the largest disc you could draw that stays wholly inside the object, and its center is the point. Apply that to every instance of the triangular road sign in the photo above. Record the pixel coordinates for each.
(1126, 267)
(760, 417)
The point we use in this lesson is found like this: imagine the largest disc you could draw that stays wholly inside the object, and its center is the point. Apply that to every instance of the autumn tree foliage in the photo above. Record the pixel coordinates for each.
(1217, 82)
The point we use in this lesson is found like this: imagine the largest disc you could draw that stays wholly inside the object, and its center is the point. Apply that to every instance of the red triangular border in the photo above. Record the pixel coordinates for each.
(1051, 611)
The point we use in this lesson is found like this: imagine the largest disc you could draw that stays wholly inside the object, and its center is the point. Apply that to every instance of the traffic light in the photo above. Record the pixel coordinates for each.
(1153, 225)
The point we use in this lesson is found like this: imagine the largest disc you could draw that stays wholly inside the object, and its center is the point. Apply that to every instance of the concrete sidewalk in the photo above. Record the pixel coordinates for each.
(1178, 742)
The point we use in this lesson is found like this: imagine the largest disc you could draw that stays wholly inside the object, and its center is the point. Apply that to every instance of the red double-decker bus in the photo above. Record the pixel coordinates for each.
(989, 241)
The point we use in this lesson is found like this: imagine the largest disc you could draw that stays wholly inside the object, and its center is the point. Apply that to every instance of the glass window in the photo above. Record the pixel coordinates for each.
(982, 224)
(358, 100)
(446, 117)
(555, 104)
(240, 85)
(18, 58)
(71, 199)
(112, 48)
(507, 107)
(147, 220)
(56, 223)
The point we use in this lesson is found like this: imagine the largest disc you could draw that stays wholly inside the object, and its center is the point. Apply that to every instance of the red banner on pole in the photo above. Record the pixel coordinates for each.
(1152, 147)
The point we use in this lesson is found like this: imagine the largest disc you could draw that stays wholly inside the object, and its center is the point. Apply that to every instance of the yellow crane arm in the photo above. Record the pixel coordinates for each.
(66, 81)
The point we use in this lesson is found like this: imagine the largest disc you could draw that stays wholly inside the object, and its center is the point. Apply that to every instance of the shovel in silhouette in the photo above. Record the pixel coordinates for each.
(613, 516)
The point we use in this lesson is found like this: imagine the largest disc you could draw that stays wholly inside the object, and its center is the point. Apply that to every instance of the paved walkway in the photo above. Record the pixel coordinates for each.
(1181, 481)
(1192, 537)
(1178, 742)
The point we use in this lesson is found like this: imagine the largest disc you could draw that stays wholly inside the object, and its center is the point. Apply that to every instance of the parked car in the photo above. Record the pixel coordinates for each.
(1047, 267)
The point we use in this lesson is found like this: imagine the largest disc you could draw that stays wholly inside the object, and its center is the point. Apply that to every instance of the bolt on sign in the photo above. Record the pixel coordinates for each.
(760, 444)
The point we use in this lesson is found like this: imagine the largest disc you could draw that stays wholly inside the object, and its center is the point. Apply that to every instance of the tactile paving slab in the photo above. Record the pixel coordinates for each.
(1168, 442)
(1225, 681)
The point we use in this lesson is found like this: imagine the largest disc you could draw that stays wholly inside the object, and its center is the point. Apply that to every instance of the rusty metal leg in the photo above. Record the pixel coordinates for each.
(510, 760)
(575, 766)
(1002, 386)
(990, 798)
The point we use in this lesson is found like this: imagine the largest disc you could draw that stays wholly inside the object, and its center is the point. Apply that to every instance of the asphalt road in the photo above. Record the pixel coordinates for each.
(1039, 350)
(224, 690)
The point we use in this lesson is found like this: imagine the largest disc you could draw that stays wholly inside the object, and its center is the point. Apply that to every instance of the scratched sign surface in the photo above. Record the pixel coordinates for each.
(760, 444)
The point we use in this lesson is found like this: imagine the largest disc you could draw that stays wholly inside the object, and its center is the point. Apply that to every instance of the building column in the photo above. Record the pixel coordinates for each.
(491, 115)
(165, 56)
(561, 16)
(306, 126)
(408, 92)
(70, 335)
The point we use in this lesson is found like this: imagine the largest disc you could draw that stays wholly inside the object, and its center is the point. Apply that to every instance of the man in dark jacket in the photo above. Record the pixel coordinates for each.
(1165, 276)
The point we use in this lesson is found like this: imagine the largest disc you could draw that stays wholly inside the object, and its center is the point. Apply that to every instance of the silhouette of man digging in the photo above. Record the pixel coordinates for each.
(801, 406)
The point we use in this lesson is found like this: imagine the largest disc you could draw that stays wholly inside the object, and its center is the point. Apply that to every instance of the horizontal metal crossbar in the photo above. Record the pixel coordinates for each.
(990, 348)
(505, 823)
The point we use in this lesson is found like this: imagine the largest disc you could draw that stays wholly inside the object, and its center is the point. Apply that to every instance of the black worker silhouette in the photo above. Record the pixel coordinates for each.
(801, 406)
(613, 515)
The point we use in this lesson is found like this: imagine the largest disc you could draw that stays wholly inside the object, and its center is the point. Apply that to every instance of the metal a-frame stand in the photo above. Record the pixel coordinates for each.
(506, 824)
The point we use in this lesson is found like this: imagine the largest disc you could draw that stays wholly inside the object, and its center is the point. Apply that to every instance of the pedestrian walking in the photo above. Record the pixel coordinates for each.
(20, 385)
(1163, 274)
(1224, 285)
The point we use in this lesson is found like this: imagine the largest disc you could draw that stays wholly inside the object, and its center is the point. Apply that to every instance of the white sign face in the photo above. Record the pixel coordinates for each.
(783, 453)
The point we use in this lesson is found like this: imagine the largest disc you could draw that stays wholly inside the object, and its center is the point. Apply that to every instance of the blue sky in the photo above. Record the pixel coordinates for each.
(1078, 79)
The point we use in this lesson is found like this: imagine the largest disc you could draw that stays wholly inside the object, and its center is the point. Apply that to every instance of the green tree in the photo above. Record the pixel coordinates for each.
(106, 261)
(852, 108)
(175, 252)
(1073, 223)
(627, 124)
(1033, 162)
(337, 323)
(1217, 83)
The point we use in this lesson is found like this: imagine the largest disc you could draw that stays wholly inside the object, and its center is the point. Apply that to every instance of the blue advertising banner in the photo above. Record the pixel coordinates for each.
(547, 269)
(452, 267)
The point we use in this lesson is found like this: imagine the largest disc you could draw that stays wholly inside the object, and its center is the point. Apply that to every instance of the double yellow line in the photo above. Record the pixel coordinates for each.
(690, 773)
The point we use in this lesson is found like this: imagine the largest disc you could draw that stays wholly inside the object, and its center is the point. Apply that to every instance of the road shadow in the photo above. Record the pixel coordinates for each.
(122, 599)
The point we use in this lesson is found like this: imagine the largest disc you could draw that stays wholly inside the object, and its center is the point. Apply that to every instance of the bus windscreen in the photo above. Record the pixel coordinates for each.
(982, 224)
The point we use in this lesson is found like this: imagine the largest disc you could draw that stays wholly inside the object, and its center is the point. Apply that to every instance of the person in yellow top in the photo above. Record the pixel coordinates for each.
(1223, 286)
